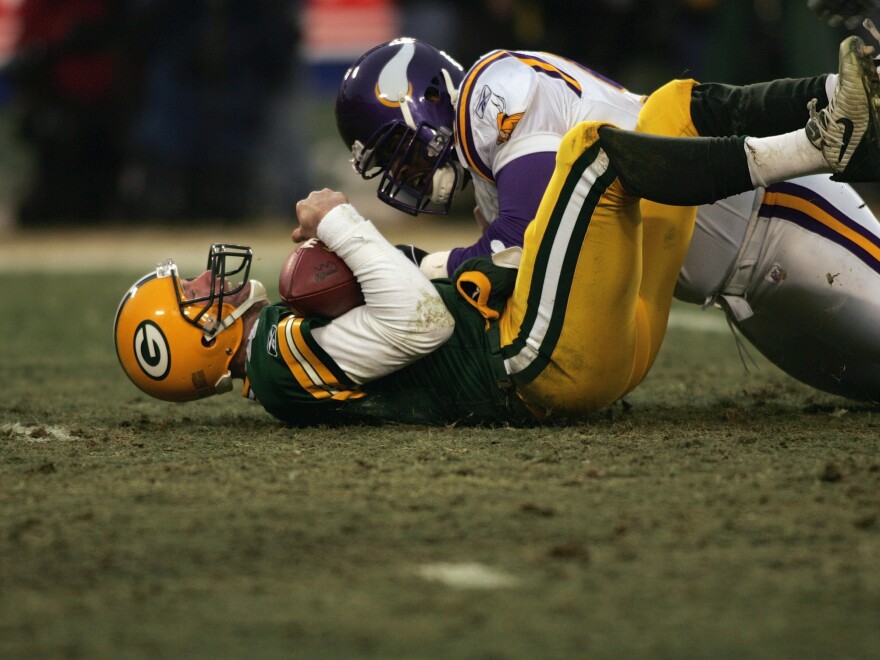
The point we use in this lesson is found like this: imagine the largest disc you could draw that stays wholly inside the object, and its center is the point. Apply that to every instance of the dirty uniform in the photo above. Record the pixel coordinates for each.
(763, 256)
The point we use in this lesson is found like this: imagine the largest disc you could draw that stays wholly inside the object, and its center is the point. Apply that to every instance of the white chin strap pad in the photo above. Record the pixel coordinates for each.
(444, 183)
(258, 293)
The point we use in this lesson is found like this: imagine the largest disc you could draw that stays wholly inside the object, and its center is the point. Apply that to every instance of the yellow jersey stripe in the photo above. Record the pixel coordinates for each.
(811, 210)
(306, 367)
(549, 68)
(300, 369)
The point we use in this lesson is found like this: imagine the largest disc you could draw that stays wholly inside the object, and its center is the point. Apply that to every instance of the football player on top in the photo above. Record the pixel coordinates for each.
(416, 120)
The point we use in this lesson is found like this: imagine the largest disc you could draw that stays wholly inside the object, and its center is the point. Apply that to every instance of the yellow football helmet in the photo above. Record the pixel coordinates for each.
(179, 349)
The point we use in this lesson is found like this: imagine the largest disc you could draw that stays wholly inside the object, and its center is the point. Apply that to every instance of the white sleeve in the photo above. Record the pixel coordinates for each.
(404, 317)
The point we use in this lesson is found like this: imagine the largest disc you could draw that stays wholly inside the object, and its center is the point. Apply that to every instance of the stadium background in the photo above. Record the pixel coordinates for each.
(138, 113)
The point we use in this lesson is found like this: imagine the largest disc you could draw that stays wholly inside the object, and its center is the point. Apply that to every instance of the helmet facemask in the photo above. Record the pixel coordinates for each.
(396, 110)
(419, 171)
(225, 261)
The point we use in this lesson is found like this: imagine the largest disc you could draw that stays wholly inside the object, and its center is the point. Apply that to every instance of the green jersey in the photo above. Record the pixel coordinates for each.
(461, 382)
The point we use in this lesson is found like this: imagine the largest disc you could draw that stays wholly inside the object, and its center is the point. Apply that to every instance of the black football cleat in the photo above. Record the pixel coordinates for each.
(848, 130)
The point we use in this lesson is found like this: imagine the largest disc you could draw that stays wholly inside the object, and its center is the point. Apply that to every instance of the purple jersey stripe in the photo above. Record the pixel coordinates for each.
(814, 198)
(812, 224)
(463, 134)
(541, 66)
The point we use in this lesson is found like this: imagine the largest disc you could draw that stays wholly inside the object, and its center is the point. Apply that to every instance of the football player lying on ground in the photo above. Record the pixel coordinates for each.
(764, 256)
(575, 328)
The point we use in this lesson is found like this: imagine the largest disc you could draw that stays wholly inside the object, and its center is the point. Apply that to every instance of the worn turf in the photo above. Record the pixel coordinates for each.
(718, 513)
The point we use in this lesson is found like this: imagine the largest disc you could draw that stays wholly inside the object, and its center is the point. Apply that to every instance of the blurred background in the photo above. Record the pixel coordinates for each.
(169, 113)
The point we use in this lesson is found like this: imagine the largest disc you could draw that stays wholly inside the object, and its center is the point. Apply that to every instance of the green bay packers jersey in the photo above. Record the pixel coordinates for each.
(462, 382)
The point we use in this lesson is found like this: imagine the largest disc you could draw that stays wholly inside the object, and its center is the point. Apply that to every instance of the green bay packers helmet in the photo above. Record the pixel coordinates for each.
(179, 349)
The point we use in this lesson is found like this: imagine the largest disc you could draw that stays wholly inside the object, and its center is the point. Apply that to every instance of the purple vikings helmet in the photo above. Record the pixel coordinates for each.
(396, 111)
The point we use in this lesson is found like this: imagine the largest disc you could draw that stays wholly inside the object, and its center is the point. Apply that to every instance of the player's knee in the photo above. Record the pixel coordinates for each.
(667, 110)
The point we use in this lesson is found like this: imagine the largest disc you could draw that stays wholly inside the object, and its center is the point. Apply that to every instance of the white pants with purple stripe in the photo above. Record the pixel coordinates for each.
(804, 285)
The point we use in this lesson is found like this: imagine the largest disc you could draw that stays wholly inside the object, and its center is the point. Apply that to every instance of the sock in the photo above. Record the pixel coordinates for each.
(677, 171)
(780, 157)
(760, 109)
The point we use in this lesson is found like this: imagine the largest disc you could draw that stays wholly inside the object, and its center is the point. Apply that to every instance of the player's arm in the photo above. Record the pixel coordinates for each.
(521, 184)
(403, 317)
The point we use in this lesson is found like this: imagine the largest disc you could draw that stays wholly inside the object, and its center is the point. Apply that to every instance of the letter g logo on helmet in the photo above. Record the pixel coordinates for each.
(151, 350)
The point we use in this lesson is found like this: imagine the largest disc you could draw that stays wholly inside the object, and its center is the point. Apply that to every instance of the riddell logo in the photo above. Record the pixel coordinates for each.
(151, 350)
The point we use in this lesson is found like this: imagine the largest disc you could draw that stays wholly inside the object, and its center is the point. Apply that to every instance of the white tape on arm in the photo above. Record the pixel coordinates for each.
(434, 265)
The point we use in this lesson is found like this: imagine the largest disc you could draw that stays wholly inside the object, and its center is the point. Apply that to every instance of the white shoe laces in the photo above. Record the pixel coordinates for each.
(819, 119)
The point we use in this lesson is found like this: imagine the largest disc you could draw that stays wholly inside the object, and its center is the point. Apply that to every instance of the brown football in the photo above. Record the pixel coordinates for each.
(316, 282)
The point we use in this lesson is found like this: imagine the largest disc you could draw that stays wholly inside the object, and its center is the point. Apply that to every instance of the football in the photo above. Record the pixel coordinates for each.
(314, 281)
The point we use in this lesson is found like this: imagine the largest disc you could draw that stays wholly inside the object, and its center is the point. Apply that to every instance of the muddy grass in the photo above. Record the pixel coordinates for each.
(718, 513)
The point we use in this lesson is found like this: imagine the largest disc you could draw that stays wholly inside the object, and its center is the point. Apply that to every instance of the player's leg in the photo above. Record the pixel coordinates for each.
(846, 130)
(666, 230)
(757, 110)
(576, 333)
(781, 106)
(582, 327)
(843, 138)
(569, 332)
(814, 291)
(585, 246)
(761, 109)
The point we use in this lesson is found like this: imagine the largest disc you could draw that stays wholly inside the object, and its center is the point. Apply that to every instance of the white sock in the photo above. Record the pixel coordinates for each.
(782, 157)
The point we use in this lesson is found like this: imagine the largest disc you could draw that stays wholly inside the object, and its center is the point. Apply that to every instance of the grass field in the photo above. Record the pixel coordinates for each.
(719, 513)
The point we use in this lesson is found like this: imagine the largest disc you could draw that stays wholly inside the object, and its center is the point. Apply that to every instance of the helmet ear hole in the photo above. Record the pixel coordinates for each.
(432, 94)
(207, 343)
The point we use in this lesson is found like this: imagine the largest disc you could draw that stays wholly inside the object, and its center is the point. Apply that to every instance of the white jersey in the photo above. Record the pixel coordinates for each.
(542, 96)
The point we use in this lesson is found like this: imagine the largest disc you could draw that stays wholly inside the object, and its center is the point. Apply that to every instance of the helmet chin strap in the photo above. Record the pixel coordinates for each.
(443, 184)
(223, 385)
(450, 87)
(257, 294)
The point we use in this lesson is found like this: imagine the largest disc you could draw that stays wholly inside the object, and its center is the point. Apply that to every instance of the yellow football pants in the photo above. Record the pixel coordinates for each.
(592, 297)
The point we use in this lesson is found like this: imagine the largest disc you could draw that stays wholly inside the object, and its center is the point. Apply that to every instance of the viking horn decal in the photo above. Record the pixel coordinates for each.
(393, 81)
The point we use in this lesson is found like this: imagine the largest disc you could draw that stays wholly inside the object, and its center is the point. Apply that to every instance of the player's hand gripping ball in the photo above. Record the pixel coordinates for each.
(314, 282)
